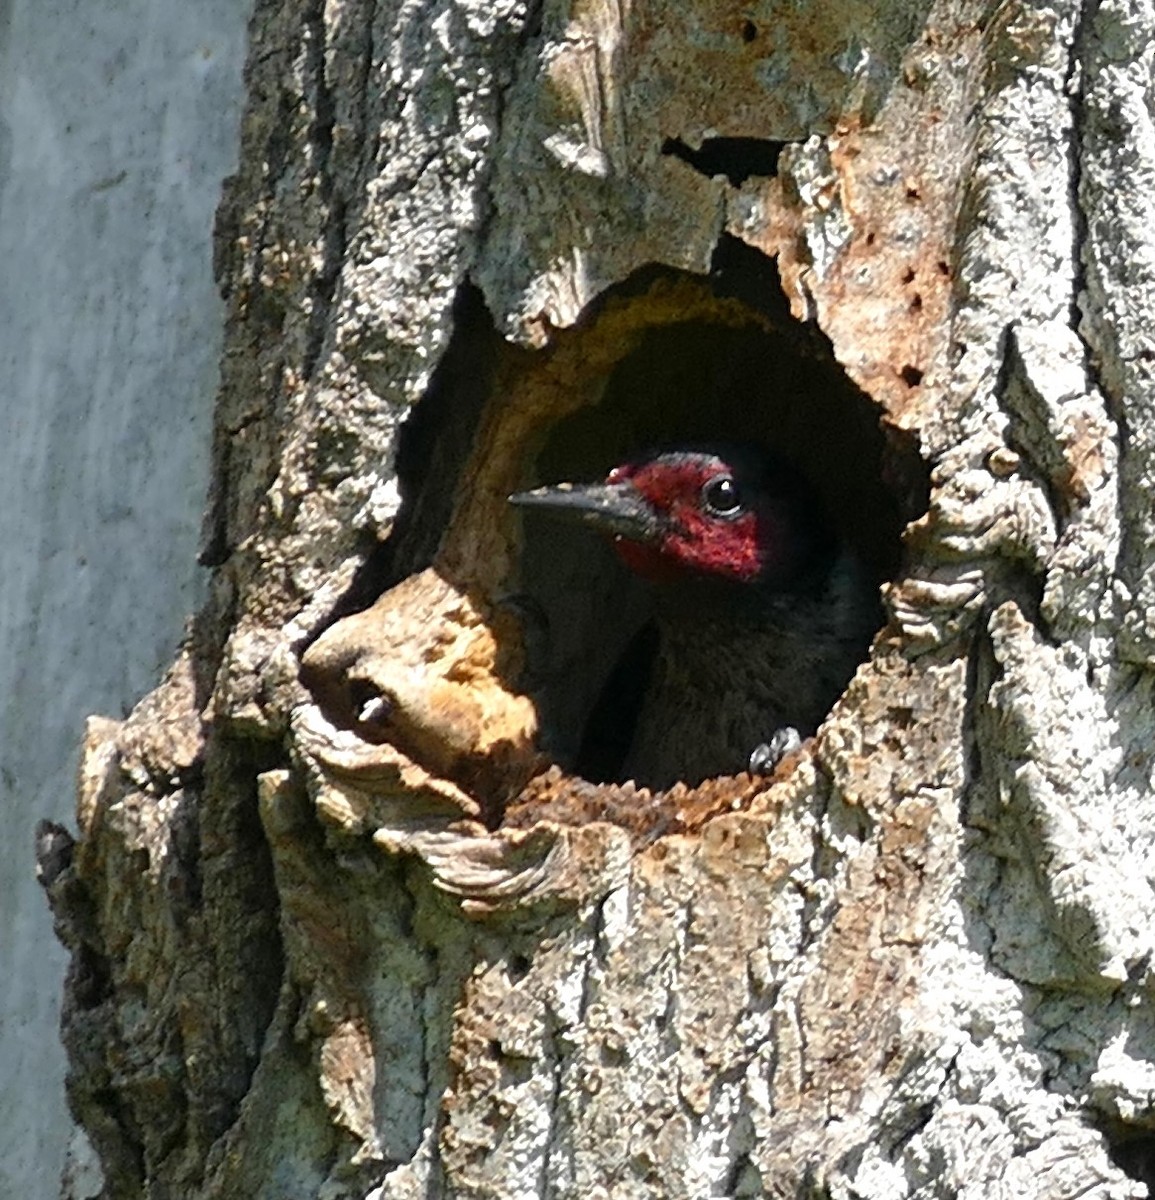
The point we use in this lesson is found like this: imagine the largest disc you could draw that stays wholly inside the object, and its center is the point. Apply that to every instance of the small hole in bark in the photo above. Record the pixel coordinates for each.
(871, 238)
(519, 965)
(916, 302)
(369, 710)
(91, 978)
(354, 704)
(1132, 1149)
(908, 275)
(612, 1055)
(749, 32)
(911, 376)
(736, 158)
(1136, 1157)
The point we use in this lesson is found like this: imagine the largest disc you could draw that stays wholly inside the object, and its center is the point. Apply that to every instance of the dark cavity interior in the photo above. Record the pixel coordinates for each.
(587, 633)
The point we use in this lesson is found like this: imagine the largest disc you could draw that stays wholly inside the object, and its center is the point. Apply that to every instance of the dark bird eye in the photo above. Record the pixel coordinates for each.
(721, 497)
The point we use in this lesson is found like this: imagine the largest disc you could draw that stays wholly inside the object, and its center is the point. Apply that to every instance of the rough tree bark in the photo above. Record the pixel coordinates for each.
(340, 929)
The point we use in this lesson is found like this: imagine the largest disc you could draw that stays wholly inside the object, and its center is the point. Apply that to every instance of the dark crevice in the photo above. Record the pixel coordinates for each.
(432, 448)
(260, 310)
(435, 441)
(107, 1121)
(89, 978)
(188, 896)
(266, 304)
(918, 1120)
(979, 669)
(554, 1059)
(534, 22)
(523, 55)
(738, 271)
(325, 284)
(1132, 1149)
(736, 158)
(225, 821)
(215, 548)
(1080, 68)
(1028, 435)
(365, 137)
(1025, 584)
(333, 236)
(1080, 232)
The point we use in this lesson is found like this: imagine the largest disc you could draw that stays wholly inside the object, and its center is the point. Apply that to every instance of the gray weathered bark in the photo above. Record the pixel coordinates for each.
(344, 931)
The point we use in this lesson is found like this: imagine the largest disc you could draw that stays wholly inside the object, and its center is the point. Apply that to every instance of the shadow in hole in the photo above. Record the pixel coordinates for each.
(772, 382)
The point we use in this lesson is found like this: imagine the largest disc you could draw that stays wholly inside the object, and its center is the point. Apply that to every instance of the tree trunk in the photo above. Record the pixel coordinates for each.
(348, 912)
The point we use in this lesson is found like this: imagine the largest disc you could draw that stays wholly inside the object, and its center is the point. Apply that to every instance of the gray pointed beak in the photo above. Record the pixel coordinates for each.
(618, 509)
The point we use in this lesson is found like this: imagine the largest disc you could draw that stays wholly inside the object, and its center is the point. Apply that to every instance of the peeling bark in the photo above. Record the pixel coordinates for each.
(346, 921)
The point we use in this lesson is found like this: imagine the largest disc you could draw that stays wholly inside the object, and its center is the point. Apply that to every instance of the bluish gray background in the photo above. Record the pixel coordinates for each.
(118, 122)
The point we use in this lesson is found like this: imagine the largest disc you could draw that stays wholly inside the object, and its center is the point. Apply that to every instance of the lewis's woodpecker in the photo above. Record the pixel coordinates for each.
(762, 613)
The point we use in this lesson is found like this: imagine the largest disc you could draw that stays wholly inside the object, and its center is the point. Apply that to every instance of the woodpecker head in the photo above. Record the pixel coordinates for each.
(725, 514)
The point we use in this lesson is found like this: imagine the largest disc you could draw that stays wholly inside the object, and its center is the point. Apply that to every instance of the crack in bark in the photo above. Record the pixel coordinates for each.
(333, 234)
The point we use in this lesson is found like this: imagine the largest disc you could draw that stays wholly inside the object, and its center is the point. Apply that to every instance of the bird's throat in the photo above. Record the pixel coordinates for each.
(649, 563)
